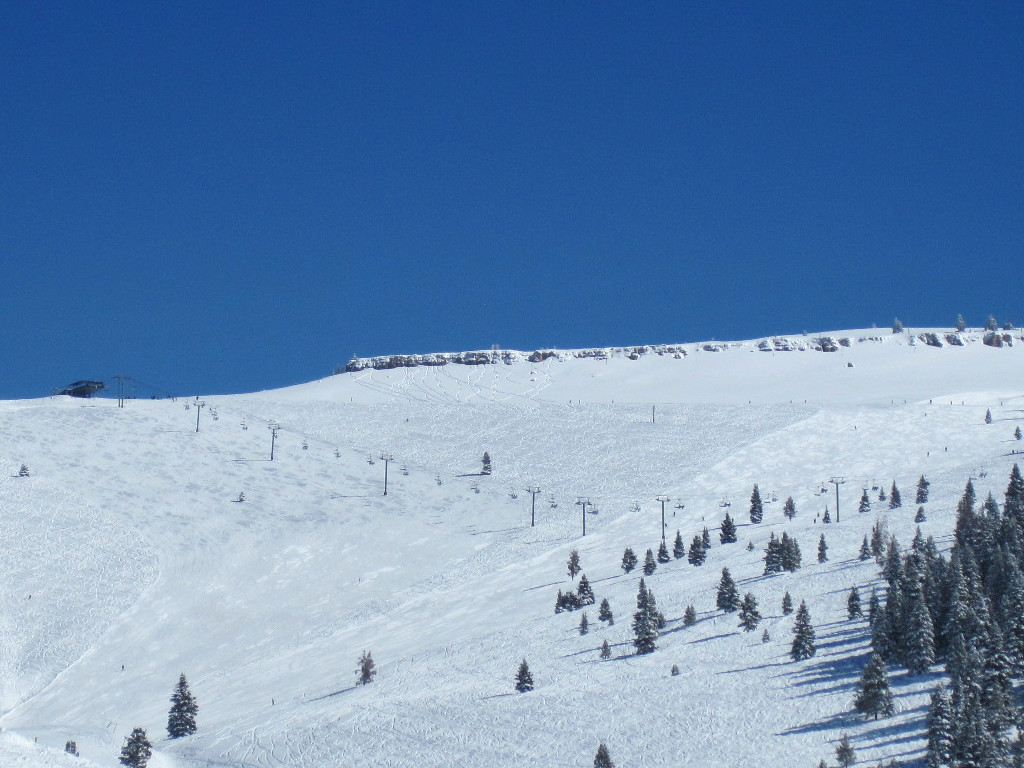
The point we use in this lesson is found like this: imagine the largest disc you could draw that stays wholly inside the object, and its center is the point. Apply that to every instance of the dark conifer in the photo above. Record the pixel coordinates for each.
(873, 696)
(865, 502)
(728, 598)
(628, 560)
(1014, 506)
(853, 610)
(877, 542)
(689, 616)
(822, 550)
(803, 635)
(650, 566)
(678, 548)
(865, 550)
(750, 617)
(919, 634)
(941, 729)
(705, 539)
(584, 592)
(920, 516)
(584, 627)
(486, 470)
(366, 669)
(663, 552)
(874, 607)
(727, 534)
(922, 491)
(573, 565)
(787, 604)
(756, 506)
(181, 720)
(604, 612)
(895, 500)
(1017, 434)
(602, 759)
(772, 556)
(827, 517)
(789, 553)
(845, 754)
(606, 650)
(988, 416)
(645, 630)
(789, 508)
(698, 552)
(524, 680)
(136, 750)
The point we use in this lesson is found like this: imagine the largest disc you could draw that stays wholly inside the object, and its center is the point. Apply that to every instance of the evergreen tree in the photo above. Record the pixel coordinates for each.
(881, 494)
(827, 517)
(645, 630)
(487, 464)
(727, 534)
(573, 566)
(678, 548)
(845, 754)
(750, 617)
(789, 508)
(961, 326)
(873, 696)
(920, 516)
(524, 680)
(705, 539)
(1017, 435)
(606, 650)
(602, 759)
(789, 553)
(865, 502)
(853, 610)
(698, 552)
(988, 416)
(584, 592)
(897, 326)
(756, 506)
(919, 634)
(941, 729)
(657, 616)
(663, 552)
(803, 635)
(1014, 506)
(689, 616)
(787, 604)
(604, 612)
(874, 607)
(773, 556)
(766, 636)
(650, 566)
(23, 472)
(878, 542)
(584, 624)
(136, 750)
(865, 550)
(922, 491)
(628, 560)
(822, 550)
(366, 670)
(991, 324)
(728, 598)
(181, 720)
(895, 500)
(71, 748)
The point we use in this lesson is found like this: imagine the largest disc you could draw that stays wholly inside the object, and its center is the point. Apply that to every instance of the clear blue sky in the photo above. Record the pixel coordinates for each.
(229, 196)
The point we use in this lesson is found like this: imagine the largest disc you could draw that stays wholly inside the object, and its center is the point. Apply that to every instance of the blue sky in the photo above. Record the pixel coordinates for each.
(224, 197)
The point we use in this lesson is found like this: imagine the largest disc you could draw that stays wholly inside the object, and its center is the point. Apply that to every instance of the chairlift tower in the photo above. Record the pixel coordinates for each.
(583, 501)
(386, 458)
(662, 498)
(273, 427)
(533, 490)
(199, 409)
(837, 481)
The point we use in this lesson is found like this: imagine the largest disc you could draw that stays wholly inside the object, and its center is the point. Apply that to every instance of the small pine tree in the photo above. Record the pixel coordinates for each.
(920, 516)
(865, 502)
(678, 548)
(181, 720)
(663, 556)
(827, 517)
(897, 326)
(941, 729)
(645, 627)
(628, 560)
(606, 650)
(487, 464)
(573, 565)
(822, 550)
(881, 495)
(865, 550)
(71, 748)
(895, 500)
(366, 669)
(689, 616)
(524, 680)
(750, 617)
(961, 326)
(728, 598)
(772, 555)
(803, 635)
(604, 612)
(674, 671)
(922, 491)
(789, 508)
(705, 539)
(991, 324)
(650, 566)
(787, 604)
(988, 416)
(874, 697)
(1017, 434)
(136, 750)
(853, 610)
(789, 553)
(845, 754)
(584, 592)
(874, 607)
(23, 472)
(727, 534)
(602, 759)
(756, 506)
(698, 552)
(584, 624)
(766, 636)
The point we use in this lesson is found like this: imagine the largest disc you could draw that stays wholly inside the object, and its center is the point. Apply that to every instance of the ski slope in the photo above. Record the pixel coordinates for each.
(129, 559)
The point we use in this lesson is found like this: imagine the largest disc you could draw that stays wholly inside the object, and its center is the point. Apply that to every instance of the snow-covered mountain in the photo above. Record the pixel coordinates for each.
(129, 558)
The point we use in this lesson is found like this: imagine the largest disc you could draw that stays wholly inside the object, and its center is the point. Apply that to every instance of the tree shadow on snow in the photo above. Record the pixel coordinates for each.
(333, 694)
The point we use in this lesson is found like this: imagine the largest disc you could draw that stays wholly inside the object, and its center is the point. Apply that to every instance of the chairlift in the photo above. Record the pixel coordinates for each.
(475, 487)
(305, 444)
(369, 459)
(513, 495)
(244, 425)
(438, 479)
(337, 453)
(680, 505)
(405, 470)
(725, 503)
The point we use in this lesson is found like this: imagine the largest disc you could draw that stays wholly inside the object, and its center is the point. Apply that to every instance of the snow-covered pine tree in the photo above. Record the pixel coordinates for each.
(728, 598)
(71, 748)
(787, 604)
(656, 615)
(705, 539)
(941, 729)
(922, 491)
(873, 695)
(678, 548)
(881, 495)
(650, 566)
(750, 617)
(845, 754)
(920, 517)
(897, 326)
(584, 592)
(366, 669)
(766, 636)
(604, 612)
(1017, 434)
(645, 630)
(486, 470)
(698, 552)
(991, 324)
(689, 616)
(628, 560)
(865, 550)
(960, 326)
(853, 610)
(584, 624)
(789, 508)
(803, 635)
(524, 679)
(602, 759)
(822, 550)
(827, 517)
(895, 500)
(606, 650)
(181, 720)
(756, 506)
(918, 633)
(874, 607)
(573, 565)
(789, 553)
(1014, 500)
(136, 750)
(727, 534)
(988, 416)
(865, 502)
(663, 556)
(772, 555)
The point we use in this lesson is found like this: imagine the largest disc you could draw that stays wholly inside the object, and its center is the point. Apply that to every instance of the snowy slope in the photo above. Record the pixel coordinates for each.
(127, 547)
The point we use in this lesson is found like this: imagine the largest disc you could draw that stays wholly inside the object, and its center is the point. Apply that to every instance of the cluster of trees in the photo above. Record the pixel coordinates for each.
(781, 554)
(181, 721)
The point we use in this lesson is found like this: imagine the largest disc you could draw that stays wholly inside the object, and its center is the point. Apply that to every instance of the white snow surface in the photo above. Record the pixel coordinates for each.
(128, 558)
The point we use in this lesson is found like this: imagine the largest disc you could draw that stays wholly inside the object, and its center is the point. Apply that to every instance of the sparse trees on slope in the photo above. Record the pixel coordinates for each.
(873, 695)
(136, 750)
(756, 506)
(803, 635)
(604, 612)
(628, 560)
(181, 720)
(524, 680)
